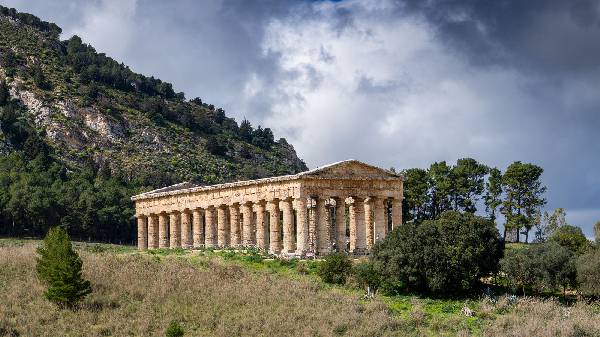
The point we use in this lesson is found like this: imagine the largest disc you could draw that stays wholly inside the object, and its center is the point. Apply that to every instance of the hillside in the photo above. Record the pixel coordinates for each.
(93, 112)
(81, 133)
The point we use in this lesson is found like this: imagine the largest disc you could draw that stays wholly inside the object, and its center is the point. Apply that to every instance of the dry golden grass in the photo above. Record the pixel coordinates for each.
(546, 318)
(138, 295)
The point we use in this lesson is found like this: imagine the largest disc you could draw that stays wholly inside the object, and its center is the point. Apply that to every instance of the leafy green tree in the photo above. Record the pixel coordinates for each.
(597, 231)
(524, 197)
(572, 238)
(441, 188)
(59, 267)
(555, 265)
(468, 184)
(493, 192)
(588, 273)
(447, 255)
(519, 269)
(416, 197)
(335, 268)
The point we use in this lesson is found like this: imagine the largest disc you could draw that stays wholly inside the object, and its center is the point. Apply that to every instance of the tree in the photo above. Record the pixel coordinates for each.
(519, 269)
(493, 194)
(572, 238)
(246, 130)
(542, 267)
(335, 268)
(416, 198)
(597, 232)
(4, 93)
(555, 265)
(441, 185)
(524, 196)
(443, 256)
(549, 223)
(588, 273)
(468, 184)
(59, 267)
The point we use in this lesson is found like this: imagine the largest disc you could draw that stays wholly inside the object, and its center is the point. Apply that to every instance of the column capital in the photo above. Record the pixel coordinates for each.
(186, 211)
(141, 216)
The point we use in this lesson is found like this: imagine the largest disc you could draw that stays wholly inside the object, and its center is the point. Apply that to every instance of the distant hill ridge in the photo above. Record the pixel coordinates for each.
(89, 111)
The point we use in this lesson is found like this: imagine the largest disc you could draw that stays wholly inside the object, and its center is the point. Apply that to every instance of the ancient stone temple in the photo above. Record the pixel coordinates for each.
(345, 206)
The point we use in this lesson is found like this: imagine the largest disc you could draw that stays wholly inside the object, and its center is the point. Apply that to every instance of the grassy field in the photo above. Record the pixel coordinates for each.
(213, 293)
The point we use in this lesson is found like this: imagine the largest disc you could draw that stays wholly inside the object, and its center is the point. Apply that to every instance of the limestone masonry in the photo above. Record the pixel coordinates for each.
(345, 206)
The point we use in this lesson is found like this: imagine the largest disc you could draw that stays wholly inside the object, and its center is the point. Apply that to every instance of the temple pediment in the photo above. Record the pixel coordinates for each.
(349, 169)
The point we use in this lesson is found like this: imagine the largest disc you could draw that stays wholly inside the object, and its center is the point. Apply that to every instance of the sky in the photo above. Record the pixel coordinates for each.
(394, 83)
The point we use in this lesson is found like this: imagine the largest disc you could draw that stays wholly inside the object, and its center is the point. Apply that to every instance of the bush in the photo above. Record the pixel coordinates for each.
(335, 268)
(174, 330)
(447, 255)
(367, 277)
(572, 238)
(542, 267)
(59, 266)
(588, 273)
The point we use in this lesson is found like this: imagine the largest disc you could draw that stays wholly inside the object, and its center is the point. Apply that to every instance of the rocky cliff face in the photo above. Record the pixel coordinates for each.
(71, 95)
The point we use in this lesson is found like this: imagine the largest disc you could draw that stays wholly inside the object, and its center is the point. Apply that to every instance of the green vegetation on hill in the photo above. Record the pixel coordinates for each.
(80, 133)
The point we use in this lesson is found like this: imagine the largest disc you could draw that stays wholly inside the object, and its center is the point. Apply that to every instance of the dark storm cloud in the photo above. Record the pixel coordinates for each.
(548, 36)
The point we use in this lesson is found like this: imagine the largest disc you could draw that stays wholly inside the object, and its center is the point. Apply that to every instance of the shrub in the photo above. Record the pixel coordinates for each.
(335, 268)
(572, 238)
(59, 266)
(547, 266)
(588, 273)
(302, 268)
(447, 255)
(367, 277)
(174, 330)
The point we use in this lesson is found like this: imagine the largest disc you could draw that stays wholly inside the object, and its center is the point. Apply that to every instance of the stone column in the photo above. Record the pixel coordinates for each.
(312, 226)
(163, 234)
(234, 222)
(274, 236)
(153, 231)
(380, 227)
(210, 228)
(302, 226)
(357, 226)
(369, 222)
(288, 226)
(222, 226)
(174, 230)
(396, 212)
(340, 224)
(323, 227)
(248, 237)
(186, 229)
(198, 228)
(261, 234)
(142, 230)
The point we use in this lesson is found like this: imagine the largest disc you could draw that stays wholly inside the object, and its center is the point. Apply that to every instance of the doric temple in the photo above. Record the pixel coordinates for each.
(345, 206)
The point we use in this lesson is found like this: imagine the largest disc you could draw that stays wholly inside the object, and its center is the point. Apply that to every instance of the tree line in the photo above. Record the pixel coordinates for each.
(517, 193)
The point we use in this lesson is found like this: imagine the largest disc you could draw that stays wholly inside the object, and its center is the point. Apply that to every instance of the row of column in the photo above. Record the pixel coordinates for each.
(290, 226)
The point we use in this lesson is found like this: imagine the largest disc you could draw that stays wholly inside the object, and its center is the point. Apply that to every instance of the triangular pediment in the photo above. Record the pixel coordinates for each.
(349, 169)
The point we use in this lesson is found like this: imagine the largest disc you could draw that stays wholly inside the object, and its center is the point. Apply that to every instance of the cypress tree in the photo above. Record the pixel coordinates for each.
(59, 267)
